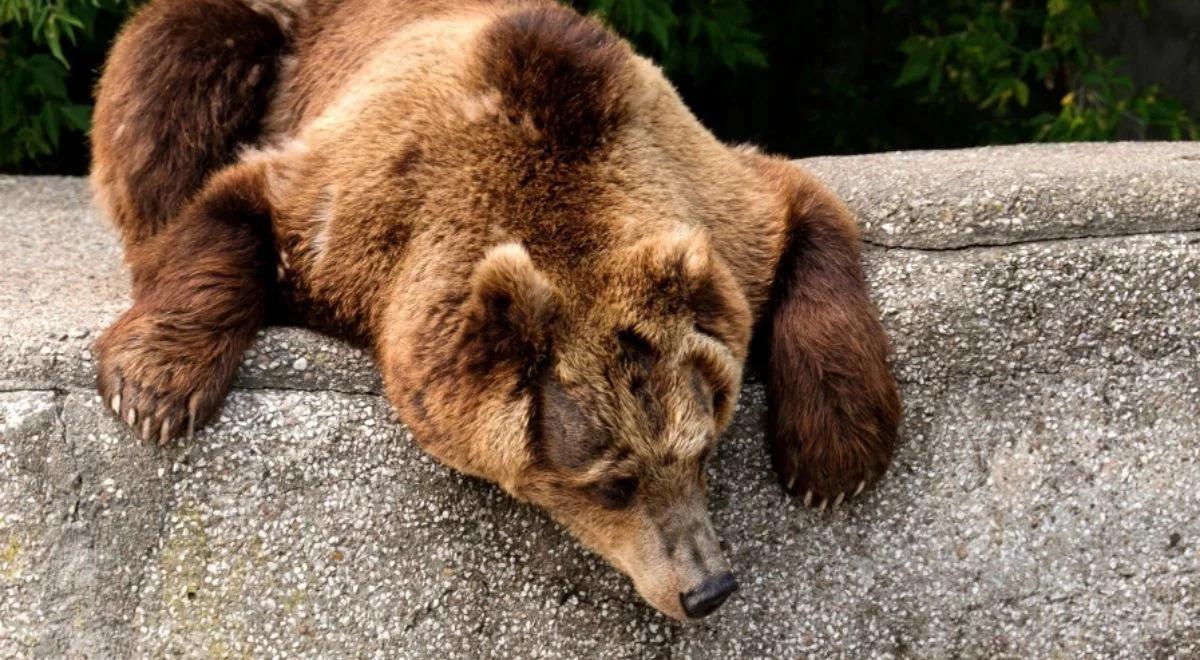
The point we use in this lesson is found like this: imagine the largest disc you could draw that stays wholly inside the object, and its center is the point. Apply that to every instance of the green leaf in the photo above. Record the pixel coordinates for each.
(77, 116)
(47, 76)
(51, 127)
(695, 27)
(69, 20)
(56, 49)
(753, 56)
(658, 31)
(1021, 91)
(914, 71)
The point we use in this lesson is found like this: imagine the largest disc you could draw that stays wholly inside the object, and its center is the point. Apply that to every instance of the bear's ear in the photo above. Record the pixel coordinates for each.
(678, 262)
(684, 269)
(681, 257)
(511, 310)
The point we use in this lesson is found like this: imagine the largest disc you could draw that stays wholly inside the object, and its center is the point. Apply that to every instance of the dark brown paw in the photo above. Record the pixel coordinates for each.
(831, 451)
(161, 374)
(823, 474)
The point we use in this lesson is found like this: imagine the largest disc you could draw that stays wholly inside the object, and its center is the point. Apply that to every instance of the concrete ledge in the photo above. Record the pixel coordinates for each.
(1004, 195)
(1045, 308)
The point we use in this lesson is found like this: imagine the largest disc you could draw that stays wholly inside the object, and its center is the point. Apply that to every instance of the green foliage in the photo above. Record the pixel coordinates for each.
(1000, 56)
(844, 77)
(686, 36)
(36, 105)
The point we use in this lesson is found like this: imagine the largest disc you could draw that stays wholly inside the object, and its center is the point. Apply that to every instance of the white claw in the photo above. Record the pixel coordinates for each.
(808, 499)
(861, 485)
(131, 416)
(821, 507)
(116, 404)
(791, 482)
(146, 429)
(840, 497)
(193, 404)
(164, 433)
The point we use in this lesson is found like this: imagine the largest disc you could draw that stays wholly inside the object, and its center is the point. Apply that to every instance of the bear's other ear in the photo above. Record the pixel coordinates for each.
(511, 310)
(677, 260)
(683, 268)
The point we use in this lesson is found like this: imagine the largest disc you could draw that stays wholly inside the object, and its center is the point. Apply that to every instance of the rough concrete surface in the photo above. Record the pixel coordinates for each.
(1043, 502)
(1003, 195)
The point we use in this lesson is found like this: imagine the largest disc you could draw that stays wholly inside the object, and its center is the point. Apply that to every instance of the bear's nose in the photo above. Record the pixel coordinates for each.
(707, 597)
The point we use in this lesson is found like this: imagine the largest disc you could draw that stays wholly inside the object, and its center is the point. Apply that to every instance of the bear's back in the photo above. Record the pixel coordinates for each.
(334, 40)
(445, 127)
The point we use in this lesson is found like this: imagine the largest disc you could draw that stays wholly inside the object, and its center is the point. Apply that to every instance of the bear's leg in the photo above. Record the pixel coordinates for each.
(833, 408)
(166, 364)
(185, 85)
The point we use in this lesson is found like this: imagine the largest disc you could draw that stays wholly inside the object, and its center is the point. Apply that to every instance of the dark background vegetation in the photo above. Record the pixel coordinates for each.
(800, 77)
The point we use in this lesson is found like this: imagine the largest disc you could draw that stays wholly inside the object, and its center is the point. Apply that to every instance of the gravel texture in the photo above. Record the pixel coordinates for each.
(1043, 501)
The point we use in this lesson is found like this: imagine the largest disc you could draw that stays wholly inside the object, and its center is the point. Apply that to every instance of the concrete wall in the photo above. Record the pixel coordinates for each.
(1045, 308)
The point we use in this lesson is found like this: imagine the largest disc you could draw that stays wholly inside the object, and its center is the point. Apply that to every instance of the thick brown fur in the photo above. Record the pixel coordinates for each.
(559, 72)
(186, 83)
(556, 267)
(833, 408)
(167, 363)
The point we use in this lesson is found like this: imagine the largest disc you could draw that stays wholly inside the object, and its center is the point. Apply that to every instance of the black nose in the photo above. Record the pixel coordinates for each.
(707, 597)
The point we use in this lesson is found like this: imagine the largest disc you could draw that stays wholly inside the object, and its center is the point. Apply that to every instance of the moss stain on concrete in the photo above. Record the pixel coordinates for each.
(10, 559)
(203, 613)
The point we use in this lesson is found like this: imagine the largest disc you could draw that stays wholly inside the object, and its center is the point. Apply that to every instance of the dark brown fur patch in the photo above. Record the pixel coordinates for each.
(833, 407)
(564, 437)
(187, 82)
(561, 70)
(637, 357)
(716, 308)
(408, 159)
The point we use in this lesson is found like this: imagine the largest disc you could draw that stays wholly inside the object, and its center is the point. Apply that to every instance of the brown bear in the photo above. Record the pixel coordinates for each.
(558, 270)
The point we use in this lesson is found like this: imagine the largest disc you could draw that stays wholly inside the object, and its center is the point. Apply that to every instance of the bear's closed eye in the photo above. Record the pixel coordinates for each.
(614, 494)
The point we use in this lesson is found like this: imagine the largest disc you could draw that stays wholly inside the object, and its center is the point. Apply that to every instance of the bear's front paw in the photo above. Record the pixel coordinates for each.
(828, 449)
(162, 373)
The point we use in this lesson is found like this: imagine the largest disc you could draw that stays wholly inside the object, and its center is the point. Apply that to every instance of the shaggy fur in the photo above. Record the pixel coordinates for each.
(832, 404)
(557, 269)
(186, 84)
(205, 285)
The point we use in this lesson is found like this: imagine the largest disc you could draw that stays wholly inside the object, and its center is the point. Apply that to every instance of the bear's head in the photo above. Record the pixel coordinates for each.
(599, 396)
(568, 327)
